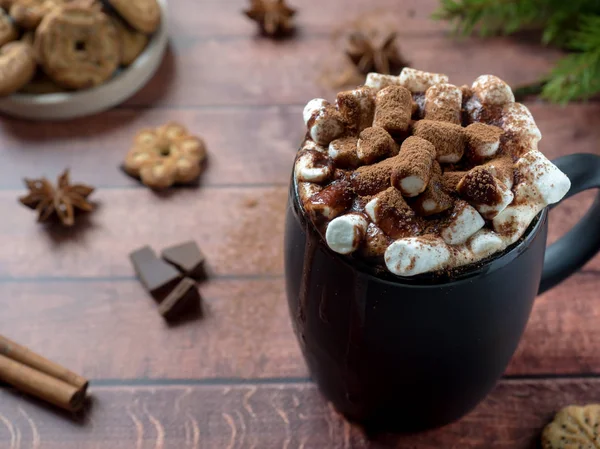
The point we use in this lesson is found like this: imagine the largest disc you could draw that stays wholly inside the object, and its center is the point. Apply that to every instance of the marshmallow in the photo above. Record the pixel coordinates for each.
(310, 145)
(463, 223)
(379, 81)
(450, 180)
(483, 140)
(447, 138)
(443, 103)
(485, 243)
(543, 176)
(518, 121)
(330, 202)
(343, 152)
(513, 221)
(312, 107)
(375, 242)
(345, 234)
(486, 193)
(389, 211)
(418, 81)
(492, 91)
(372, 179)
(502, 168)
(308, 189)
(416, 255)
(312, 166)
(357, 107)
(434, 199)
(375, 144)
(393, 109)
(324, 121)
(411, 175)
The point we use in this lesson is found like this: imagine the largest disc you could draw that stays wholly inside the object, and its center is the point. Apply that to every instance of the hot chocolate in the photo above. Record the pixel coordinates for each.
(418, 175)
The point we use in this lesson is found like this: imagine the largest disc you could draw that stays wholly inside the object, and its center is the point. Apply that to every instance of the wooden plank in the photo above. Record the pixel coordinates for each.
(247, 146)
(265, 72)
(244, 331)
(273, 415)
(214, 18)
(256, 146)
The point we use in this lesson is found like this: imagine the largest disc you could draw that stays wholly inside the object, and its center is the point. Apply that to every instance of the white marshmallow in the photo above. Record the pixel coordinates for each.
(327, 125)
(418, 81)
(518, 120)
(485, 243)
(307, 170)
(483, 140)
(513, 221)
(370, 209)
(344, 234)
(465, 222)
(545, 177)
(310, 145)
(505, 176)
(441, 98)
(506, 197)
(308, 189)
(379, 81)
(491, 90)
(313, 106)
(414, 255)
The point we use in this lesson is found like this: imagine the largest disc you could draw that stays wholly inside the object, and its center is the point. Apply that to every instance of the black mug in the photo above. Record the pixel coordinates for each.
(409, 354)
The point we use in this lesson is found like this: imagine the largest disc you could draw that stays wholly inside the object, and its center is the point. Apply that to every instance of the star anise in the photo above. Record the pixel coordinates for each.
(370, 57)
(60, 201)
(273, 16)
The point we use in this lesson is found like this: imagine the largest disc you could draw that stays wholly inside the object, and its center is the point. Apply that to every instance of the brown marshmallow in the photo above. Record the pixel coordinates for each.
(483, 140)
(372, 179)
(479, 187)
(434, 199)
(502, 168)
(443, 103)
(330, 202)
(375, 242)
(450, 180)
(412, 172)
(357, 107)
(343, 152)
(393, 109)
(447, 138)
(391, 213)
(375, 144)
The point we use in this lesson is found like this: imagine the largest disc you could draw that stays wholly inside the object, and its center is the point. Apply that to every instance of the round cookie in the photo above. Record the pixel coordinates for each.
(29, 13)
(133, 42)
(165, 156)
(143, 15)
(8, 30)
(573, 427)
(78, 47)
(41, 84)
(17, 66)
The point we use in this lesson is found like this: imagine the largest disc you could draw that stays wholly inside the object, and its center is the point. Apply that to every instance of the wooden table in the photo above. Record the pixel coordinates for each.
(235, 377)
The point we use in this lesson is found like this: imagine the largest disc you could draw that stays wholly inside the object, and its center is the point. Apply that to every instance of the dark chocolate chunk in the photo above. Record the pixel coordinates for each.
(185, 296)
(158, 277)
(188, 258)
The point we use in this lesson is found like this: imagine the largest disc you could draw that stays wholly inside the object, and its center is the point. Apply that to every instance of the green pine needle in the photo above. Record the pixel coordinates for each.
(570, 24)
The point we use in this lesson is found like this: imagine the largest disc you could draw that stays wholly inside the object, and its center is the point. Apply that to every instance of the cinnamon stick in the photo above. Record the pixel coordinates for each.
(41, 385)
(14, 351)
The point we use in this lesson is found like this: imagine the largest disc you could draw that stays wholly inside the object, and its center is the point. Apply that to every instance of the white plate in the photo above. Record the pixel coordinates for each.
(68, 105)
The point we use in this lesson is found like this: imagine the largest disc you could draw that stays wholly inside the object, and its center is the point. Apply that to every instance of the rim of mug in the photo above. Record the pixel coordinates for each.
(460, 274)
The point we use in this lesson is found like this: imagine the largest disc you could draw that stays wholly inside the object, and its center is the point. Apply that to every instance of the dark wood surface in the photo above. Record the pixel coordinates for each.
(234, 377)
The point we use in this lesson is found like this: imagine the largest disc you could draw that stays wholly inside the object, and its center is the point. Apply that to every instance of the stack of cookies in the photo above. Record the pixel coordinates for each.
(56, 45)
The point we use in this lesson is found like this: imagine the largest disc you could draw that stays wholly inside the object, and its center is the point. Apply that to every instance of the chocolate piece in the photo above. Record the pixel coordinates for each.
(188, 259)
(183, 296)
(158, 277)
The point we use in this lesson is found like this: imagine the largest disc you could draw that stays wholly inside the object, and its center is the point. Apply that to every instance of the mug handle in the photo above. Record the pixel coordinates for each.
(582, 242)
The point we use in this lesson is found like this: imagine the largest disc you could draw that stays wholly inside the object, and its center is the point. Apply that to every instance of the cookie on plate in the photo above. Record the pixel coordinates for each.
(41, 84)
(573, 427)
(78, 47)
(143, 15)
(17, 66)
(8, 30)
(133, 42)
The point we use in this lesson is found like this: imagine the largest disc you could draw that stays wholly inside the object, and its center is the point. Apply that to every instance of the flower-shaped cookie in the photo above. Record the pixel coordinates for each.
(574, 427)
(165, 156)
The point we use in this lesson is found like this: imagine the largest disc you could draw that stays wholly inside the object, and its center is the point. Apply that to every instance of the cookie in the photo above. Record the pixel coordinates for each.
(143, 15)
(165, 156)
(8, 30)
(29, 13)
(17, 66)
(78, 47)
(133, 42)
(573, 428)
(6, 4)
(41, 84)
